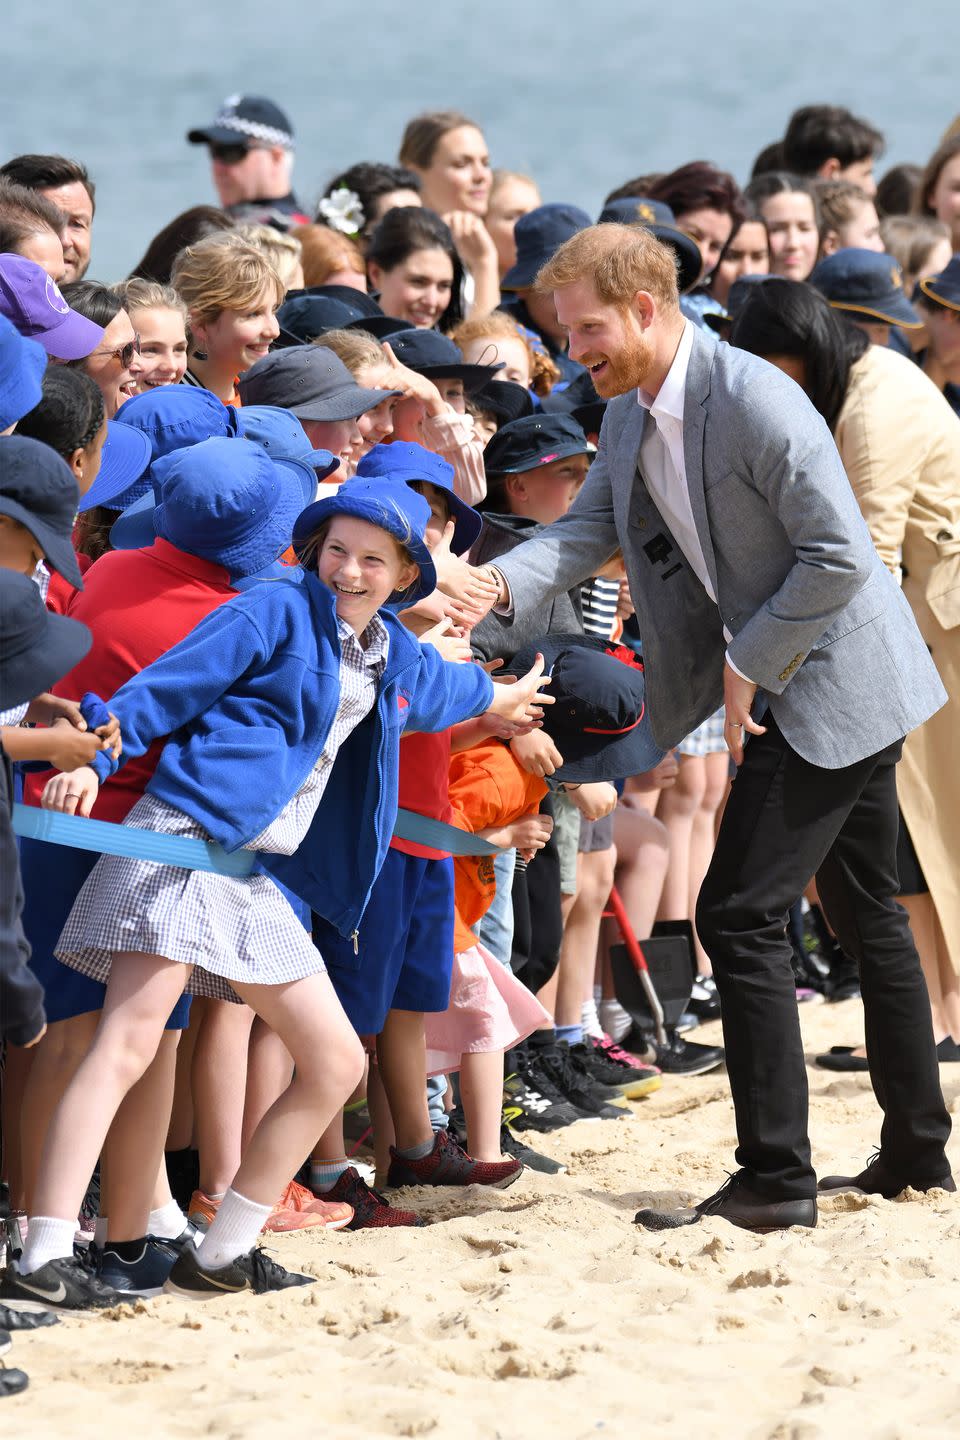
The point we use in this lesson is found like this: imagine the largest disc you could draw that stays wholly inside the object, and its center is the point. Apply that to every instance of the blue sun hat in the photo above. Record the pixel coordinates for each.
(126, 456)
(172, 416)
(395, 508)
(229, 503)
(280, 433)
(405, 462)
(22, 363)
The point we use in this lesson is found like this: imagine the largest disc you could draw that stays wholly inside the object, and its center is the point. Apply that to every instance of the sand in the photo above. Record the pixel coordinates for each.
(543, 1311)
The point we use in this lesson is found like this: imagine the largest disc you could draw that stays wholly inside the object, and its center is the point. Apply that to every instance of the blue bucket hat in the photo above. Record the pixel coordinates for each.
(172, 416)
(22, 363)
(659, 219)
(944, 288)
(865, 283)
(400, 511)
(280, 433)
(539, 236)
(126, 455)
(405, 462)
(229, 503)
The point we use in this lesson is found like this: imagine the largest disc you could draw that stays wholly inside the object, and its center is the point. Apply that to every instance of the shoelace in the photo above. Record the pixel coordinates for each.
(570, 1075)
(707, 1207)
(614, 1054)
(360, 1185)
(263, 1268)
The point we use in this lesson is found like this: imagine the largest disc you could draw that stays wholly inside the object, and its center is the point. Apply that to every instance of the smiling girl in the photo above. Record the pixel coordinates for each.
(232, 294)
(274, 682)
(160, 318)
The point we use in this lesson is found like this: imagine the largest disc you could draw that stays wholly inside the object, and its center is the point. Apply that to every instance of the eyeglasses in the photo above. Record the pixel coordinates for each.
(230, 154)
(123, 353)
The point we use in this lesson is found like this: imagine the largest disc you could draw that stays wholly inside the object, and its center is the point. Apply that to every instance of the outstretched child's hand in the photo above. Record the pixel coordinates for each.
(72, 793)
(473, 588)
(523, 702)
(449, 639)
(536, 753)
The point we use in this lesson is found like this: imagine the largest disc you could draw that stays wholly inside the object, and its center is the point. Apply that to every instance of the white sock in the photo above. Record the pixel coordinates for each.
(168, 1222)
(100, 1231)
(233, 1230)
(589, 1018)
(47, 1239)
(614, 1019)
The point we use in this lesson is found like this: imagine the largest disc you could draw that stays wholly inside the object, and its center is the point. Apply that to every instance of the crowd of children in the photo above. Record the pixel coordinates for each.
(342, 930)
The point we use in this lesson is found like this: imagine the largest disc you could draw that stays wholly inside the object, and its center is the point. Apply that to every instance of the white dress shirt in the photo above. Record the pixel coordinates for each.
(664, 467)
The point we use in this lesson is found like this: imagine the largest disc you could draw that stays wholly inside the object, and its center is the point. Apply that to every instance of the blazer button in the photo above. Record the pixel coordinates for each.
(640, 523)
(784, 675)
(944, 535)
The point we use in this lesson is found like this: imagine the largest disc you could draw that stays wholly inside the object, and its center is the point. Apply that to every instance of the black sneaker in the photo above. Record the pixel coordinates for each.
(63, 1284)
(448, 1163)
(143, 1277)
(684, 1057)
(704, 1000)
(12, 1382)
(557, 1063)
(254, 1271)
(189, 1235)
(536, 1110)
(20, 1320)
(533, 1160)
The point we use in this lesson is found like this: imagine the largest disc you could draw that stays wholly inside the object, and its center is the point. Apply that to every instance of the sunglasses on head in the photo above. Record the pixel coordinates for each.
(230, 154)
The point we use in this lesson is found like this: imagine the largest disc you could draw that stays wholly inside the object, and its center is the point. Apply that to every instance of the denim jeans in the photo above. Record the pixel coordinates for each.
(496, 927)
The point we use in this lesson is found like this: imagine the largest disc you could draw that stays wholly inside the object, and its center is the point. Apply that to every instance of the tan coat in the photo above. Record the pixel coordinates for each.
(900, 444)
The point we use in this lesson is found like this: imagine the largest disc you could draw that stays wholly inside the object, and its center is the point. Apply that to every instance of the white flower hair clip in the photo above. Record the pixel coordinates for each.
(342, 211)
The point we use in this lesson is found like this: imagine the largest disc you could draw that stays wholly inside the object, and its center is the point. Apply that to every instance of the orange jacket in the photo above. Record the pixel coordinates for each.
(487, 788)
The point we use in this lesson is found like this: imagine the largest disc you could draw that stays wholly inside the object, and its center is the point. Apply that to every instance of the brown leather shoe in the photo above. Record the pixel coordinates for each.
(876, 1179)
(741, 1206)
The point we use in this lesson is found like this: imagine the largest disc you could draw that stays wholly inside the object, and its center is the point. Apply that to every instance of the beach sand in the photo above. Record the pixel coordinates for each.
(541, 1310)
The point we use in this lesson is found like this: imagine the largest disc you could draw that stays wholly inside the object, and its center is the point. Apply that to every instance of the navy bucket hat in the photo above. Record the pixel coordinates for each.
(38, 490)
(395, 508)
(532, 441)
(37, 648)
(943, 289)
(539, 235)
(406, 463)
(866, 285)
(229, 503)
(431, 354)
(598, 720)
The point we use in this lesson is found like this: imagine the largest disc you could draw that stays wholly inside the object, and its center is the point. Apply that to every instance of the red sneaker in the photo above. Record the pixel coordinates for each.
(370, 1210)
(448, 1164)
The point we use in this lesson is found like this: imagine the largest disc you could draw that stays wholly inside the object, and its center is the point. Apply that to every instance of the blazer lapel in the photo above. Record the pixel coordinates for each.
(694, 421)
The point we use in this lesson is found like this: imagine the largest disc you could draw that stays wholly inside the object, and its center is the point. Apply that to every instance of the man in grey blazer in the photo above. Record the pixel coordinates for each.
(757, 586)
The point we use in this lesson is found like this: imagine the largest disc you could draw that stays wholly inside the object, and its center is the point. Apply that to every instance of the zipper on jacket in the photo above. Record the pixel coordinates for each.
(355, 937)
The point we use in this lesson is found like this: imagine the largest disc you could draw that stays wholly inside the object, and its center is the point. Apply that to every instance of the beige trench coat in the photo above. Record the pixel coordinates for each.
(900, 445)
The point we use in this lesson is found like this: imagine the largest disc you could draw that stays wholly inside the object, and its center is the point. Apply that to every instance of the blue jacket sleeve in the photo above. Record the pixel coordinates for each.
(446, 692)
(184, 682)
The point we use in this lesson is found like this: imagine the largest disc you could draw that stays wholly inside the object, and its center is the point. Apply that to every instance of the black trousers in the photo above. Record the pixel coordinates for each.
(786, 821)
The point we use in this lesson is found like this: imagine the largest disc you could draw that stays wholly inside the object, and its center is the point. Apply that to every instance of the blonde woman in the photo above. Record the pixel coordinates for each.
(159, 317)
(231, 292)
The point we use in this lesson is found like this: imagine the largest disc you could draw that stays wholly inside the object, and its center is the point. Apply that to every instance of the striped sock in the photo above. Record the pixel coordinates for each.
(326, 1174)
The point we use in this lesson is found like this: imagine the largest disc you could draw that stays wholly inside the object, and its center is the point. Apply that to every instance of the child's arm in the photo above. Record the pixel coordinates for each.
(184, 682)
(528, 834)
(61, 745)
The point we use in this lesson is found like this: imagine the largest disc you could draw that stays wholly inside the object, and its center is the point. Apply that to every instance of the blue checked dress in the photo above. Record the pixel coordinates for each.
(228, 928)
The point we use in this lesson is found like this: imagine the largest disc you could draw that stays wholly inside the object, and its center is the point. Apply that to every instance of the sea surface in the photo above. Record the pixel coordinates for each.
(581, 94)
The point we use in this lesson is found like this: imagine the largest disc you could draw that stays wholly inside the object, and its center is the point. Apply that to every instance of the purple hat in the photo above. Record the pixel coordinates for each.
(32, 302)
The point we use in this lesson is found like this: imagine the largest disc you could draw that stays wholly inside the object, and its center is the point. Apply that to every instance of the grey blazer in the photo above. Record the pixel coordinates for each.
(817, 620)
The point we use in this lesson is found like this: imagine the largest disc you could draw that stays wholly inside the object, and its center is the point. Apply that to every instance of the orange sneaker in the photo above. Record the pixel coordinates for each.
(336, 1214)
(201, 1209)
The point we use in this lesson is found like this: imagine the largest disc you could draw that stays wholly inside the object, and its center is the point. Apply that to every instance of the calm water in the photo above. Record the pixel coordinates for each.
(581, 96)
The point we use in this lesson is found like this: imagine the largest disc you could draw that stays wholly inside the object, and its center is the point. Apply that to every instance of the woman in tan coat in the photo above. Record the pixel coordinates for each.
(900, 444)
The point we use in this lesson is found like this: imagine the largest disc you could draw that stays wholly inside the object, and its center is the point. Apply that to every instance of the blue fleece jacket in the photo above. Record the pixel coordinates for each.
(248, 699)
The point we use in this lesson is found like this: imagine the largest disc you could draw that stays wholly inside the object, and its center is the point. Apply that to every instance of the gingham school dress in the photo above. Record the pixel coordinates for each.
(707, 739)
(226, 927)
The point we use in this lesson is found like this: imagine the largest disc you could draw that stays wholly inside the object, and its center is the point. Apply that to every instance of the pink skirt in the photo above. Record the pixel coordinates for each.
(489, 1010)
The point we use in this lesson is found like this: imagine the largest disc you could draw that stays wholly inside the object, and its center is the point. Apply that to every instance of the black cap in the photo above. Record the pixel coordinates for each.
(659, 219)
(37, 488)
(246, 119)
(432, 354)
(598, 718)
(504, 399)
(37, 648)
(532, 441)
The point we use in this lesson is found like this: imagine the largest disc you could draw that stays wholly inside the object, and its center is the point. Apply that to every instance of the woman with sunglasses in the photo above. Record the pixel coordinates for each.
(115, 366)
(231, 292)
